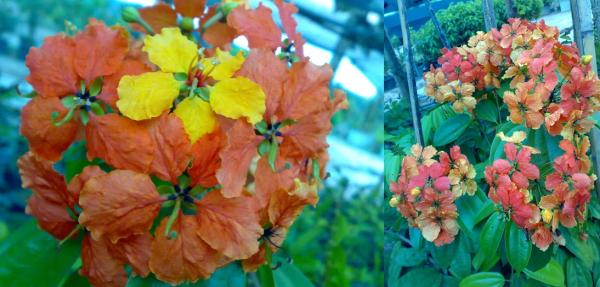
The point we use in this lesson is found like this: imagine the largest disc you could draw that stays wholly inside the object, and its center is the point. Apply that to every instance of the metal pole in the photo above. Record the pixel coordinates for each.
(583, 30)
(396, 67)
(489, 16)
(410, 76)
(438, 26)
(510, 8)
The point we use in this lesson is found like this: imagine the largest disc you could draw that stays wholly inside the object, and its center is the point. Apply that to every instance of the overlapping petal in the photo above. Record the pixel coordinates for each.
(238, 98)
(171, 51)
(257, 25)
(172, 148)
(147, 95)
(197, 117)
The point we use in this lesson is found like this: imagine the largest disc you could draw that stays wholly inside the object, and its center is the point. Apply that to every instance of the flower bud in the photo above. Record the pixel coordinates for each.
(187, 24)
(394, 201)
(586, 59)
(130, 15)
(415, 191)
(547, 216)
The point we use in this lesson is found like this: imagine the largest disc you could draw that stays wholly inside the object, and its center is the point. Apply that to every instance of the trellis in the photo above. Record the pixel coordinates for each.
(583, 31)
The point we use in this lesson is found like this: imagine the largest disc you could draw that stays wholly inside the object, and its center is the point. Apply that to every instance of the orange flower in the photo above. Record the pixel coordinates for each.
(525, 106)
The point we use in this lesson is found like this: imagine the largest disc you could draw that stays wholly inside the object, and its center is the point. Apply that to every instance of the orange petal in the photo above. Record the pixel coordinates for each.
(206, 159)
(52, 72)
(45, 139)
(270, 72)
(51, 216)
(257, 25)
(286, 10)
(121, 142)
(267, 181)
(172, 148)
(306, 90)
(219, 35)
(119, 204)
(109, 87)
(38, 175)
(285, 207)
(236, 158)
(158, 16)
(308, 136)
(228, 225)
(256, 260)
(190, 8)
(99, 266)
(185, 257)
(99, 50)
(135, 251)
(77, 183)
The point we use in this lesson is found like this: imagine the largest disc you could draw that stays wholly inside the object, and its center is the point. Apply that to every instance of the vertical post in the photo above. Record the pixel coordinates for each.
(489, 16)
(583, 30)
(410, 76)
(510, 8)
(438, 26)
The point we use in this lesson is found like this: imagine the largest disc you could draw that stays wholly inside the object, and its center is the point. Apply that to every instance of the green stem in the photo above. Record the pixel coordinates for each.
(194, 86)
(214, 19)
(146, 26)
(71, 234)
(64, 120)
(173, 216)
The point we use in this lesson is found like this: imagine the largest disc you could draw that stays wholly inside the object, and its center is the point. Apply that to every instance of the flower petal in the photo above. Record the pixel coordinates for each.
(240, 149)
(219, 35)
(45, 139)
(286, 10)
(109, 86)
(206, 159)
(186, 257)
(119, 204)
(238, 97)
(122, 143)
(99, 51)
(228, 225)
(158, 17)
(305, 91)
(226, 64)
(266, 69)
(135, 251)
(197, 117)
(190, 8)
(52, 72)
(99, 266)
(257, 25)
(171, 51)
(147, 95)
(172, 148)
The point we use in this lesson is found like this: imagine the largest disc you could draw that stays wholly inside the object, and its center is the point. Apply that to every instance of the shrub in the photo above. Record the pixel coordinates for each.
(529, 9)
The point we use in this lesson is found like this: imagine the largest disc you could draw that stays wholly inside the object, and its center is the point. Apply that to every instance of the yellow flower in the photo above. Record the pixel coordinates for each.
(223, 66)
(547, 215)
(147, 95)
(197, 117)
(238, 97)
(171, 51)
(517, 137)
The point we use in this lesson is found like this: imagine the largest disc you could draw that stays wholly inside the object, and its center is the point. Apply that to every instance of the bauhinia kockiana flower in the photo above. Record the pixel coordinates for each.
(173, 124)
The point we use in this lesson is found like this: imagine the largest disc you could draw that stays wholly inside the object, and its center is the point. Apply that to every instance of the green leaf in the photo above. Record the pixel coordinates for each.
(264, 147)
(582, 249)
(451, 129)
(577, 274)
(265, 276)
(444, 255)
(483, 279)
(96, 87)
(288, 275)
(391, 165)
(420, 277)
(69, 102)
(551, 274)
(272, 157)
(539, 258)
(461, 265)
(486, 110)
(491, 235)
(407, 257)
(97, 109)
(31, 257)
(518, 247)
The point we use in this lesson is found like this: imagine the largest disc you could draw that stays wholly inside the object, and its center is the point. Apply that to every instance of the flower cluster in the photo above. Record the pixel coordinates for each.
(198, 155)
(530, 56)
(426, 189)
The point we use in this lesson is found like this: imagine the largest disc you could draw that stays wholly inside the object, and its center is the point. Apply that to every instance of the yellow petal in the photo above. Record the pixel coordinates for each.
(197, 117)
(238, 97)
(147, 95)
(223, 66)
(171, 51)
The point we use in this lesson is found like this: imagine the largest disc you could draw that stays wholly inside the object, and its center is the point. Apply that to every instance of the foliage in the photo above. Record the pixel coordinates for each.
(459, 21)
(508, 230)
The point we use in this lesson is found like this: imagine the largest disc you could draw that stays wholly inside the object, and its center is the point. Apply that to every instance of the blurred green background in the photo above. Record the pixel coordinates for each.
(338, 243)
